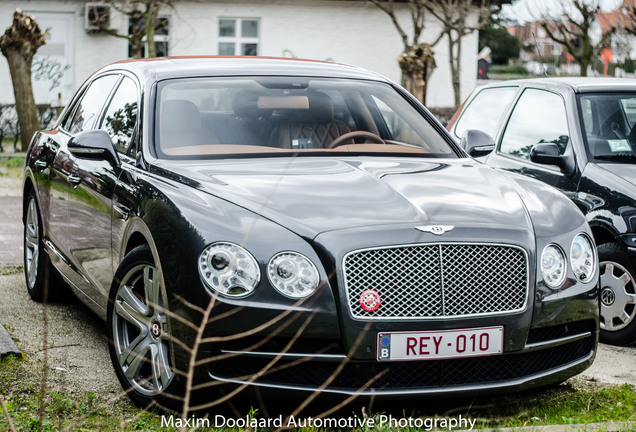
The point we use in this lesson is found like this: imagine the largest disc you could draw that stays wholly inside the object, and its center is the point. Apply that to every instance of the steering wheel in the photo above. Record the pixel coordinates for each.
(355, 134)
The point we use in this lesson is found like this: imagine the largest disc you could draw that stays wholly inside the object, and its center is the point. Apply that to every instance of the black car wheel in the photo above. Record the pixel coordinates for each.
(138, 331)
(618, 296)
(37, 270)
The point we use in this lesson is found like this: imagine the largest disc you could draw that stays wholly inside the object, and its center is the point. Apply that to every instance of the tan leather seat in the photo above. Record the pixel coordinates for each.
(309, 128)
(180, 125)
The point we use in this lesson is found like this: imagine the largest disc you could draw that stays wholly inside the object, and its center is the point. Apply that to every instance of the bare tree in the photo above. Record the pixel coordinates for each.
(417, 64)
(629, 18)
(19, 44)
(140, 13)
(459, 18)
(416, 61)
(572, 32)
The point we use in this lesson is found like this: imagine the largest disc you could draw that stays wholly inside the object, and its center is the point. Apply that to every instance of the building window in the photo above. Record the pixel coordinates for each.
(161, 38)
(238, 36)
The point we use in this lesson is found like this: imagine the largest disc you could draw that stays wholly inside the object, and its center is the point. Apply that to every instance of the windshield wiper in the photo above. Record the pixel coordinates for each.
(623, 157)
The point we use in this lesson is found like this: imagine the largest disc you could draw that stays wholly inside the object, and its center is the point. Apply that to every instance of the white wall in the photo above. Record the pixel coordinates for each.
(351, 32)
(85, 52)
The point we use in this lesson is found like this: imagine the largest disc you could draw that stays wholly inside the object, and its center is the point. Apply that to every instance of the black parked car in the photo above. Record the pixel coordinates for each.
(579, 135)
(301, 225)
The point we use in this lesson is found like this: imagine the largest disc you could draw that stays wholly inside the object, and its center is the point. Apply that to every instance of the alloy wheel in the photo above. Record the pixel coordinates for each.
(32, 243)
(140, 331)
(618, 296)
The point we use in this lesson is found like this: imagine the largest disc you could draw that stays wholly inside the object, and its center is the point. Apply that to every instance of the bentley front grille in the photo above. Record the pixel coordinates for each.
(436, 281)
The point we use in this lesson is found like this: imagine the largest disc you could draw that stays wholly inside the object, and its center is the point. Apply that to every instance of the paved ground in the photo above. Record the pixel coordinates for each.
(10, 230)
(10, 251)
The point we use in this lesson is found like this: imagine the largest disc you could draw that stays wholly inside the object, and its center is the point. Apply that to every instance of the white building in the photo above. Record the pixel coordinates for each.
(344, 31)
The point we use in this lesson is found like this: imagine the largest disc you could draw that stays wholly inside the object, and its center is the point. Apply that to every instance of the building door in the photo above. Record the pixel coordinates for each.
(52, 70)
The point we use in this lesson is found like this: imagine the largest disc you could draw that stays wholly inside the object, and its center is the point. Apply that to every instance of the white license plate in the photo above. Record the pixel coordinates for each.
(440, 344)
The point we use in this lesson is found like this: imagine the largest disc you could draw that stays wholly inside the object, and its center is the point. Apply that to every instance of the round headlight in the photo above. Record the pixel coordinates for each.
(229, 269)
(553, 266)
(582, 258)
(293, 275)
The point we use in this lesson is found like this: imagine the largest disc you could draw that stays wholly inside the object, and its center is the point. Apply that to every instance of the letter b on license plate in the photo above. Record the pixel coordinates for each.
(440, 344)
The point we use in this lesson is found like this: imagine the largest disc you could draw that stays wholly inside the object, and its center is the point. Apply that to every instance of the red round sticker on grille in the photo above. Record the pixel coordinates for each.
(370, 300)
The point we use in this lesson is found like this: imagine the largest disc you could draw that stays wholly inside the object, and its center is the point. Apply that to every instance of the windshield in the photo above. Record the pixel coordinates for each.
(207, 117)
(609, 121)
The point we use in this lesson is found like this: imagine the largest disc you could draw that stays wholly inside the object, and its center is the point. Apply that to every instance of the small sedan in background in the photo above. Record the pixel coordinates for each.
(579, 135)
(302, 226)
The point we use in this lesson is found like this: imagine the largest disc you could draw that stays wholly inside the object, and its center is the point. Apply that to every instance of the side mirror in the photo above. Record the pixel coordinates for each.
(549, 154)
(477, 143)
(94, 144)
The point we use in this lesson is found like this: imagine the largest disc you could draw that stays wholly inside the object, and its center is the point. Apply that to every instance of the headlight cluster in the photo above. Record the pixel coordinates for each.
(582, 258)
(293, 275)
(231, 270)
(554, 263)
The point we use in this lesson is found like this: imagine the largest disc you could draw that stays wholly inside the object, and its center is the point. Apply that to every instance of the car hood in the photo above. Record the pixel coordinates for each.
(625, 171)
(315, 195)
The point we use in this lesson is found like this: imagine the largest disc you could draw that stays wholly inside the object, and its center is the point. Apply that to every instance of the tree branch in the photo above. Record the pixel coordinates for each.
(387, 7)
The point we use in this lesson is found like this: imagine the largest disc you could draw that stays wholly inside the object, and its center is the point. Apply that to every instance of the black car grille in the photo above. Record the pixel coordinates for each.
(431, 374)
(438, 280)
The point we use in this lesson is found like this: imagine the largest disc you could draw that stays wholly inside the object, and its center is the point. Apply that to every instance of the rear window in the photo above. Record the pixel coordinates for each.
(268, 115)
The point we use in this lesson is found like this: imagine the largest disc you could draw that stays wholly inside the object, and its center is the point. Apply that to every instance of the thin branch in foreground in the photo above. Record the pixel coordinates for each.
(6, 414)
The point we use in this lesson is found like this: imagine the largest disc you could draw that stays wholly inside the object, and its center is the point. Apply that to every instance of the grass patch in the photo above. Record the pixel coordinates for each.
(575, 402)
(11, 270)
(20, 394)
(565, 404)
(11, 166)
(12, 161)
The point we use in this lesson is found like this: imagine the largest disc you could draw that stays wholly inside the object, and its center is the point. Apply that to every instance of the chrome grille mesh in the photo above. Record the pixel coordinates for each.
(438, 280)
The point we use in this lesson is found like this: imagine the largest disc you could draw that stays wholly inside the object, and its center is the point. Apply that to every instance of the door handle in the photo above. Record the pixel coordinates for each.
(74, 179)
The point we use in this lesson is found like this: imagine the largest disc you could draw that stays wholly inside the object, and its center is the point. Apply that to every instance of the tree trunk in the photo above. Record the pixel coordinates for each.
(584, 66)
(453, 67)
(151, 19)
(19, 44)
(136, 36)
(24, 100)
(457, 75)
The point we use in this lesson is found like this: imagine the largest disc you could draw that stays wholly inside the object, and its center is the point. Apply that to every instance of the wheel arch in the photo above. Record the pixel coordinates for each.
(26, 190)
(603, 235)
(136, 239)
(137, 234)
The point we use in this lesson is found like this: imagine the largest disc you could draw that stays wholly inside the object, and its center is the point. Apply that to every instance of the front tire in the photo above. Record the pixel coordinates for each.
(618, 296)
(37, 266)
(139, 334)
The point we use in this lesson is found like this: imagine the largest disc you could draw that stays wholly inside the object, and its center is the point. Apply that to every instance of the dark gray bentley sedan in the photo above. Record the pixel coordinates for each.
(302, 226)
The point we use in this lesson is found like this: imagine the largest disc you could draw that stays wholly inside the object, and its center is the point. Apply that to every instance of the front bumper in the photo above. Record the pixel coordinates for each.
(551, 355)
(322, 346)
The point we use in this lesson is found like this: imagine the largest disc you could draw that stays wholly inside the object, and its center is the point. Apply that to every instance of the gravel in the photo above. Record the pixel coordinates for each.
(78, 359)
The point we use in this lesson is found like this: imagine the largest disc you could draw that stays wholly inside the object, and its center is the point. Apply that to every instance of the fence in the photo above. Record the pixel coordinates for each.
(10, 126)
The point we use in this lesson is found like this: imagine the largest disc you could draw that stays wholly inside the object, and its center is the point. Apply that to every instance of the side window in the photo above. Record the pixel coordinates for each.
(485, 111)
(121, 115)
(538, 117)
(92, 102)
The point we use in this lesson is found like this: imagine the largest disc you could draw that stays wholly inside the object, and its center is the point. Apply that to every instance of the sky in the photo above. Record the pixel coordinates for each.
(531, 10)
